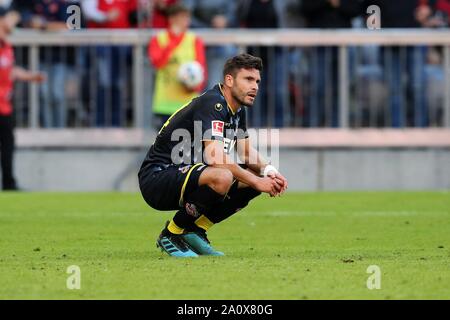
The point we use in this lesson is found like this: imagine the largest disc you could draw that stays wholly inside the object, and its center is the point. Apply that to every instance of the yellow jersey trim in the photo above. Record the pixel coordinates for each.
(228, 105)
(183, 188)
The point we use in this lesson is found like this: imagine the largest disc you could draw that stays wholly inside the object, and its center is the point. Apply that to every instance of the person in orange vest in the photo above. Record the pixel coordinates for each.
(167, 51)
(8, 74)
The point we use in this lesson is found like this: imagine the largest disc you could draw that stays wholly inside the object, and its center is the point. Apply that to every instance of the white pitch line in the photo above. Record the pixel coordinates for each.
(353, 214)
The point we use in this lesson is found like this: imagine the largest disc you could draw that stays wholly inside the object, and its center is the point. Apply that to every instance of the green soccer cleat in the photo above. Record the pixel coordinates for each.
(199, 242)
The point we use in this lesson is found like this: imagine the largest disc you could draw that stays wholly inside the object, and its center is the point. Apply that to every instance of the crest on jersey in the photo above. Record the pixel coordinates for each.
(185, 169)
(218, 107)
(217, 128)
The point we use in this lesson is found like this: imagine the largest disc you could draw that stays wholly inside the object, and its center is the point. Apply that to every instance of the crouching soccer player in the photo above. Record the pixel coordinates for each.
(209, 186)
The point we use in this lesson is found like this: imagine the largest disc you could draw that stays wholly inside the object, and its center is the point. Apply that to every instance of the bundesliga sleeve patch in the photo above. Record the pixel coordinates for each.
(217, 128)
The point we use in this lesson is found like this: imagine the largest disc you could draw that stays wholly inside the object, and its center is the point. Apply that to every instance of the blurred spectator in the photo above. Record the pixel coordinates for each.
(159, 13)
(153, 13)
(434, 14)
(167, 51)
(291, 16)
(261, 14)
(402, 13)
(110, 14)
(113, 62)
(57, 62)
(435, 86)
(398, 61)
(330, 14)
(323, 102)
(443, 12)
(369, 88)
(215, 14)
(8, 74)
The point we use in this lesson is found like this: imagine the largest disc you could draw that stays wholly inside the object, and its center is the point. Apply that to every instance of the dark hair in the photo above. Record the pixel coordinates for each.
(176, 9)
(3, 12)
(242, 61)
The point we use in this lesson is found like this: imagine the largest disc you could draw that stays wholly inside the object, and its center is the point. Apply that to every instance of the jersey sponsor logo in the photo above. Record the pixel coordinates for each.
(228, 145)
(217, 128)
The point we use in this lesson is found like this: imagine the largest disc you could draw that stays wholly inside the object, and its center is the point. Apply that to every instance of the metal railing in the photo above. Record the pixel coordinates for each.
(297, 94)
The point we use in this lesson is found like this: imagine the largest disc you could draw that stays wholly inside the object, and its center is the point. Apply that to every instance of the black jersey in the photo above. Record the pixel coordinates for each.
(207, 117)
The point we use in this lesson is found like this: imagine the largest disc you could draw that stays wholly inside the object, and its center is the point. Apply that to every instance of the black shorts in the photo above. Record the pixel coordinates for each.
(164, 187)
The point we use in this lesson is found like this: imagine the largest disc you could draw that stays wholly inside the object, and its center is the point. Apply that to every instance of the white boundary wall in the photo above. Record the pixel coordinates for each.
(336, 160)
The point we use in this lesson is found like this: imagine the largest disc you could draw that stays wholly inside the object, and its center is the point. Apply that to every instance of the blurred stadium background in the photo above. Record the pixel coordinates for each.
(357, 109)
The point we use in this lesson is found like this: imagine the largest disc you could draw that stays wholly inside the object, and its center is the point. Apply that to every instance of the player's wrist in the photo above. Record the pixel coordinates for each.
(268, 168)
(254, 181)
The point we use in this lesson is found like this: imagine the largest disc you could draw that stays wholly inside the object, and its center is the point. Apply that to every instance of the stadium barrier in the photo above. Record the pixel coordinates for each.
(364, 153)
(312, 159)
(314, 78)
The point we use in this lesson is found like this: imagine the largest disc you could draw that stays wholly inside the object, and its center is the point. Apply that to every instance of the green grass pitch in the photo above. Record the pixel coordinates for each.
(299, 246)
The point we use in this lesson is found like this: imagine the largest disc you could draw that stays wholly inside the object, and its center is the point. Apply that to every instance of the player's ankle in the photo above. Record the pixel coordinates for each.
(173, 228)
(204, 223)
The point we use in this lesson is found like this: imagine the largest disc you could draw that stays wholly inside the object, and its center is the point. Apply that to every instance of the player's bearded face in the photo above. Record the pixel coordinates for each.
(245, 86)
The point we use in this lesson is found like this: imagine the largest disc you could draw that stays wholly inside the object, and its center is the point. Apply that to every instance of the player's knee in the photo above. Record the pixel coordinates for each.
(222, 181)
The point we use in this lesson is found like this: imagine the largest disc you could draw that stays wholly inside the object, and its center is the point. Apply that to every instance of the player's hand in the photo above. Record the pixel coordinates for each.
(267, 185)
(280, 180)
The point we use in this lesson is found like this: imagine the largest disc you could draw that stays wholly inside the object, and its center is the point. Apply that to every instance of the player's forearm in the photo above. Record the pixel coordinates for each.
(259, 165)
(240, 174)
(214, 156)
(253, 160)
